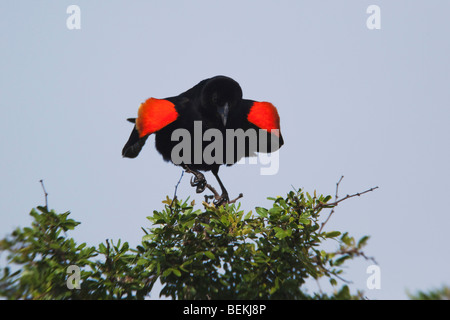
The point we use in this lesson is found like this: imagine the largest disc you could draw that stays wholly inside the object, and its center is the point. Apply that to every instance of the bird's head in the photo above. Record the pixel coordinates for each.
(219, 95)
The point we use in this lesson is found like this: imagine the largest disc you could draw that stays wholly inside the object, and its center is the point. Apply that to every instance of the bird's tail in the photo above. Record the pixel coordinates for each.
(134, 143)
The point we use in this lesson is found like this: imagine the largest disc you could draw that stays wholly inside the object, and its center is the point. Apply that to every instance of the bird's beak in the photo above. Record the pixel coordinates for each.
(223, 112)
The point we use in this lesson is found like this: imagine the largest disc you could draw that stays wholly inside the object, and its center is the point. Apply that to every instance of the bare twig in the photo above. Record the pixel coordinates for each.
(45, 193)
(336, 202)
(351, 196)
(337, 187)
(329, 272)
(175, 192)
(176, 186)
(332, 210)
(237, 198)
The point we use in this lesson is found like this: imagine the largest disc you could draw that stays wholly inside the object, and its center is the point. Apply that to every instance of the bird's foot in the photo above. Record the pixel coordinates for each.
(220, 200)
(198, 181)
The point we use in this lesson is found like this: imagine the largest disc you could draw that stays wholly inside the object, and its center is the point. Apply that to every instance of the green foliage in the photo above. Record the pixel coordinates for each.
(435, 294)
(44, 253)
(208, 253)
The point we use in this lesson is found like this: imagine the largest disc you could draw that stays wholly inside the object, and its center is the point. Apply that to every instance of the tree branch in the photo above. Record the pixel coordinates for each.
(175, 192)
(45, 193)
(336, 202)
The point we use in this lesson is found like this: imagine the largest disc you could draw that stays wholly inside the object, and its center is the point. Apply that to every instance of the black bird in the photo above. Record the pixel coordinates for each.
(217, 104)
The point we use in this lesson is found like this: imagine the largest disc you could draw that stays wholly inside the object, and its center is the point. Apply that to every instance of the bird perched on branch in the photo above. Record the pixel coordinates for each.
(217, 125)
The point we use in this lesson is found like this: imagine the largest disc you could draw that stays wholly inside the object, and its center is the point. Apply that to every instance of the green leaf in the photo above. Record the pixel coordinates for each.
(102, 248)
(262, 212)
(125, 247)
(341, 260)
(332, 234)
(281, 234)
(148, 237)
(362, 242)
(167, 272)
(304, 221)
(282, 203)
(176, 272)
(210, 255)
(224, 220)
(275, 210)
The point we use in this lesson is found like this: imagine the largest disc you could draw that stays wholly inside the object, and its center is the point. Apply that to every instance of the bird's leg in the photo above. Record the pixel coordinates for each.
(198, 181)
(224, 197)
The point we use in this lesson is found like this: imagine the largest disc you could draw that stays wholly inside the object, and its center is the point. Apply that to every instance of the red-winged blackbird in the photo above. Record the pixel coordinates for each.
(214, 103)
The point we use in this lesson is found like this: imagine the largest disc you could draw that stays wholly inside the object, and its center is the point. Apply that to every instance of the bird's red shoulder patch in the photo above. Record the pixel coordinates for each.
(155, 114)
(264, 115)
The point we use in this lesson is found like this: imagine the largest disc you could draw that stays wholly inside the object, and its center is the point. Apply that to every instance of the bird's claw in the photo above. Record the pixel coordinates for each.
(223, 199)
(199, 182)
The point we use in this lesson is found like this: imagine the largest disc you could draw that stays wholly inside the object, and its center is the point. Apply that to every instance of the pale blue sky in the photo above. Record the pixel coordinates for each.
(372, 105)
